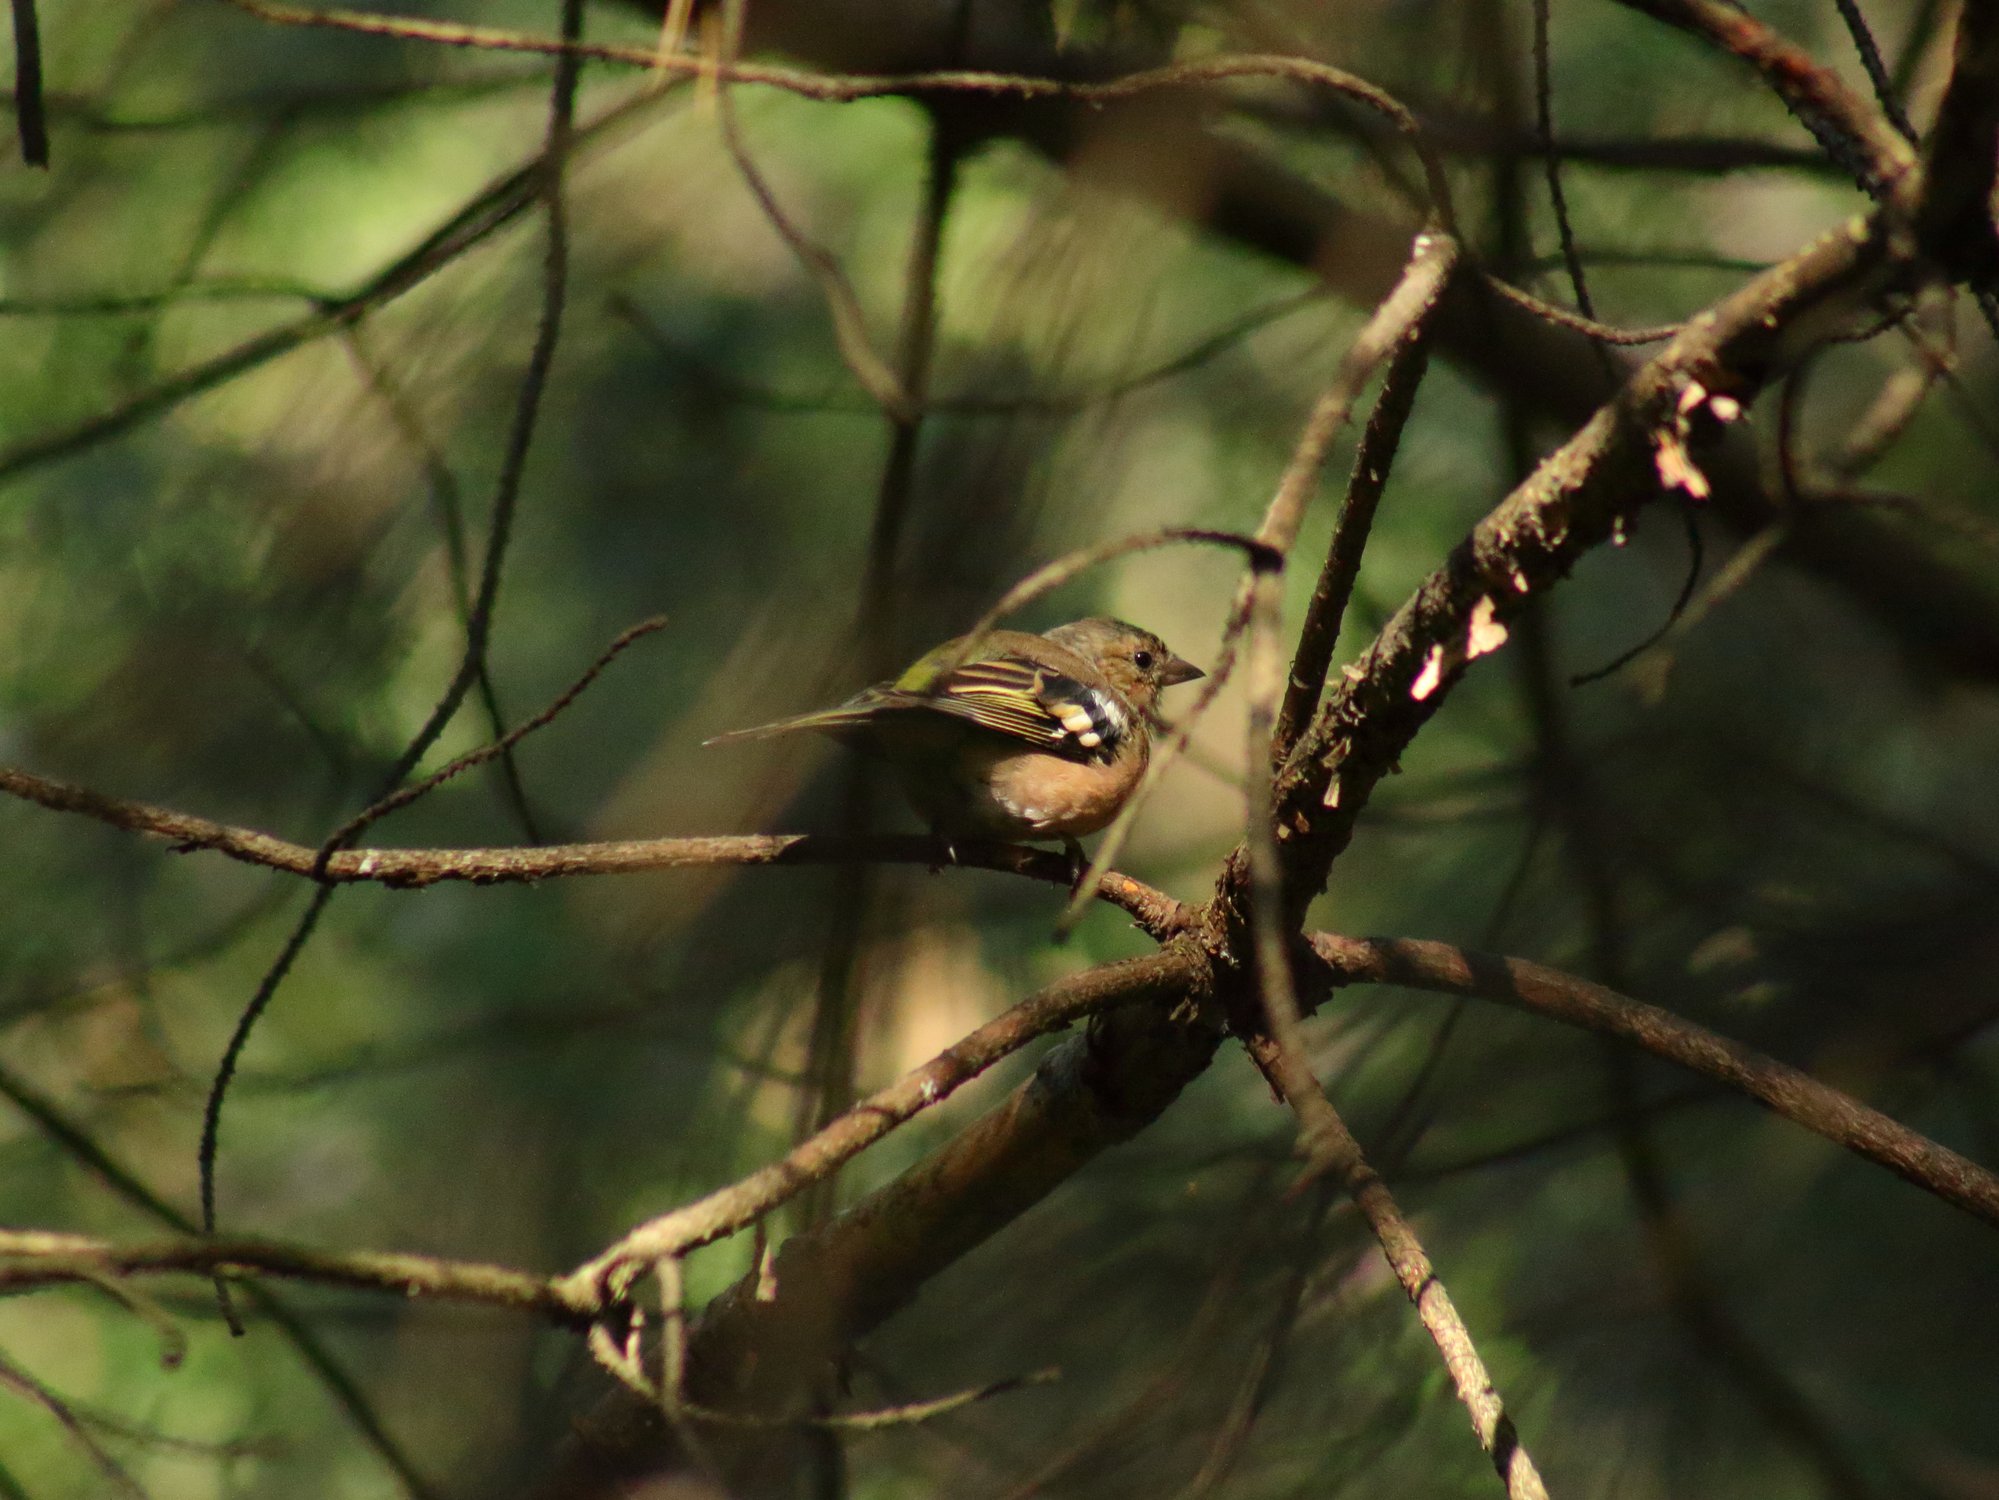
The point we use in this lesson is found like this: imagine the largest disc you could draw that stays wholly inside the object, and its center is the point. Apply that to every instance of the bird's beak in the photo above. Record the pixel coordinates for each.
(1177, 670)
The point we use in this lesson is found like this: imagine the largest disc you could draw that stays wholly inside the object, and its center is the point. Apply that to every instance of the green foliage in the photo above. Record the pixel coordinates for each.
(243, 604)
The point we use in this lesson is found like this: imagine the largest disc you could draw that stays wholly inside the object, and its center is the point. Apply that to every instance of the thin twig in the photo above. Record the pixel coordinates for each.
(488, 212)
(36, 1257)
(225, 1070)
(850, 327)
(361, 821)
(1561, 317)
(449, 514)
(1876, 70)
(1319, 636)
(25, 1385)
(842, 88)
(82, 1147)
(547, 184)
(1851, 129)
(30, 112)
(528, 399)
(908, 1414)
(1675, 612)
(1053, 574)
(1332, 1151)
(1027, 403)
(209, 289)
(1544, 131)
(173, 1338)
(1158, 913)
(1433, 257)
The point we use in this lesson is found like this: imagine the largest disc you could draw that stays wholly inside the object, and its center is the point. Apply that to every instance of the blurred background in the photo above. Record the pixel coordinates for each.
(247, 481)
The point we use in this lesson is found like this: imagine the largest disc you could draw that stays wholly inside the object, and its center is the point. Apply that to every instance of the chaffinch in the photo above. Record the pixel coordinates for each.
(1025, 737)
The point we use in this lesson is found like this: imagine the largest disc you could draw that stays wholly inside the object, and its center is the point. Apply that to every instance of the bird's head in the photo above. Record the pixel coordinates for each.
(1135, 662)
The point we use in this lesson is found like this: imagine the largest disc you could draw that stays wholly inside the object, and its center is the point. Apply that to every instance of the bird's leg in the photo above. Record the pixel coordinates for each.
(950, 849)
(1077, 864)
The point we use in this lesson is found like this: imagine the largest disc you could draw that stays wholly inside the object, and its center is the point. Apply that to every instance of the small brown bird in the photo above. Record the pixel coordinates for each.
(1026, 737)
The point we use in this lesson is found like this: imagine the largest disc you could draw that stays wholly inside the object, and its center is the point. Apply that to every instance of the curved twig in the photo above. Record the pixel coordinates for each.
(842, 88)
(1784, 1090)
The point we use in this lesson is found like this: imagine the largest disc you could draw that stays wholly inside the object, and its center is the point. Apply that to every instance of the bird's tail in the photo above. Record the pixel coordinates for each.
(846, 719)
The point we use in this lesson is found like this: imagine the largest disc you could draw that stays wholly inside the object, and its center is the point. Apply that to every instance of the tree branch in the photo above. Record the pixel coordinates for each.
(1623, 458)
(1159, 914)
(1954, 216)
(763, 1343)
(1330, 1148)
(33, 1257)
(1784, 1090)
(1147, 980)
(1849, 126)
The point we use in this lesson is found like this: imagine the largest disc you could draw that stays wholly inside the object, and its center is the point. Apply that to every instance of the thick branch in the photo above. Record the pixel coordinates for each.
(761, 1346)
(1954, 218)
(1616, 464)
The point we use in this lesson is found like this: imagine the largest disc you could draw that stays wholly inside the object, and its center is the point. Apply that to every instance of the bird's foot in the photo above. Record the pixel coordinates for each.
(950, 851)
(1079, 864)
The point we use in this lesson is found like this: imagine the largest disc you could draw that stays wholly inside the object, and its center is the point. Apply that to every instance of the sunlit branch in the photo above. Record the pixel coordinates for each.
(1154, 978)
(407, 868)
(33, 1257)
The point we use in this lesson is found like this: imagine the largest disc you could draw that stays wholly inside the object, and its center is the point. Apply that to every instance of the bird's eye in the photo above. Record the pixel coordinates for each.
(1142, 660)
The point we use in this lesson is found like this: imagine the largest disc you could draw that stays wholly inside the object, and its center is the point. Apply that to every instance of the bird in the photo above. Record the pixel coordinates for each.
(1012, 735)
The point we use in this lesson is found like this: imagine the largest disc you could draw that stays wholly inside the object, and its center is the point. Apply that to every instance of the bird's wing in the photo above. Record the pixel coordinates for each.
(1029, 701)
(1005, 692)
